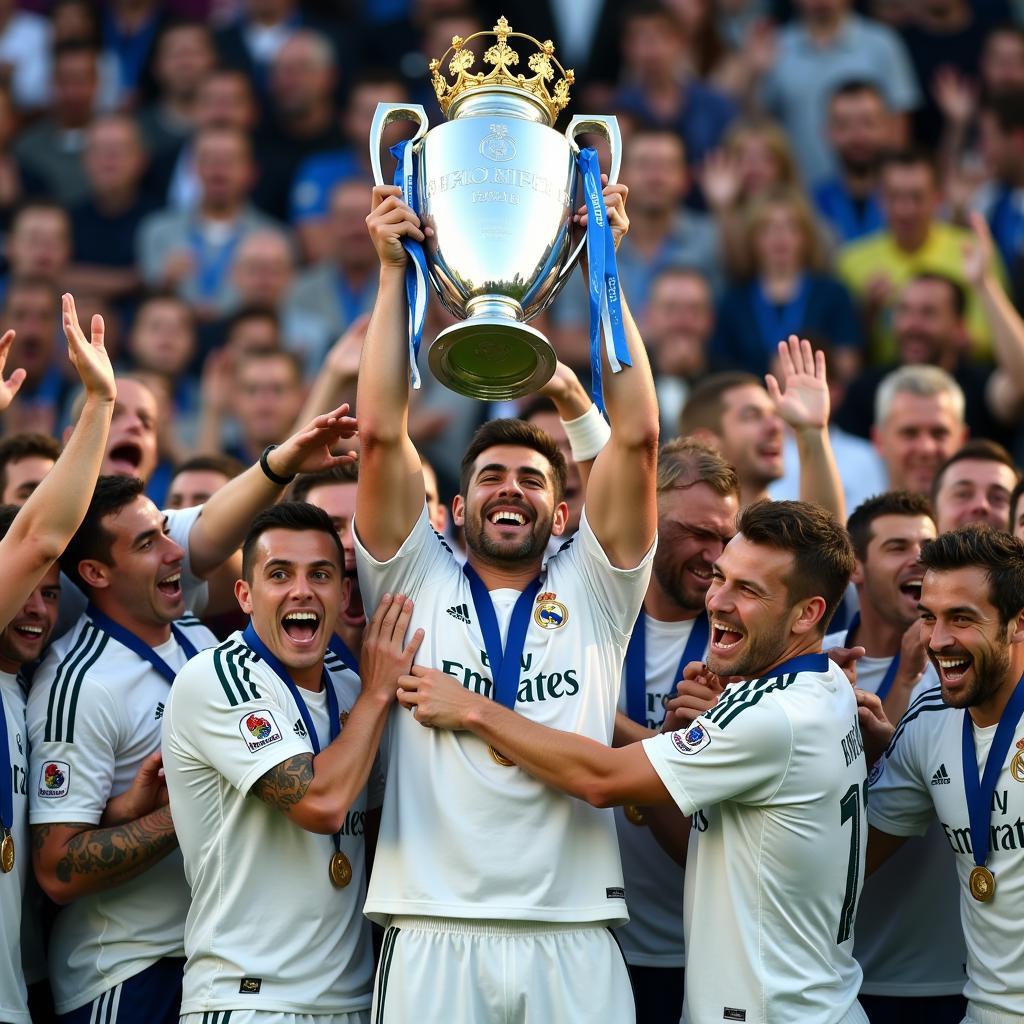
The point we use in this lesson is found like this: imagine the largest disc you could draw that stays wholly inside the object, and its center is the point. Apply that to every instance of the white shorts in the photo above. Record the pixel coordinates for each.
(982, 1015)
(270, 1017)
(516, 972)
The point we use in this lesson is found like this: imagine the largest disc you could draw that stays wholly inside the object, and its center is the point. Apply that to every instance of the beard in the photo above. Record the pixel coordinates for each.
(670, 578)
(530, 547)
(990, 667)
(760, 652)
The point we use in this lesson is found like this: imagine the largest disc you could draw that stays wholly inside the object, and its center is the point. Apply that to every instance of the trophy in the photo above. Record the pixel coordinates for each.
(497, 185)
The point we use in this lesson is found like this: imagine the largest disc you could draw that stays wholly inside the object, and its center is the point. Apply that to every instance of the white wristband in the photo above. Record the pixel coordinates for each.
(587, 434)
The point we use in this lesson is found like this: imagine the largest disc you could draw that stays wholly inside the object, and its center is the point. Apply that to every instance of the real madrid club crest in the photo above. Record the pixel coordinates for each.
(1017, 764)
(549, 613)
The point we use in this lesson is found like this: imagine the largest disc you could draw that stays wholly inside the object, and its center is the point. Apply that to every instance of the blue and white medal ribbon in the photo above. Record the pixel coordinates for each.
(603, 283)
(416, 268)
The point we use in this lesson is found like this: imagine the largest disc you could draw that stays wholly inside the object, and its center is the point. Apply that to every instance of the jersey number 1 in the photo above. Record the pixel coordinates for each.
(850, 811)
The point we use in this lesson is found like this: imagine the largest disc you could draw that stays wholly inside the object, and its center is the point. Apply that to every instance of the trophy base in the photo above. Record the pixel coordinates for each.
(492, 358)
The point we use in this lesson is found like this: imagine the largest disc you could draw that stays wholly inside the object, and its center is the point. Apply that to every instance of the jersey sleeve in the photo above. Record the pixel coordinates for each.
(423, 556)
(179, 525)
(743, 758)
(618, 593)
(221, 716)
(73, 727)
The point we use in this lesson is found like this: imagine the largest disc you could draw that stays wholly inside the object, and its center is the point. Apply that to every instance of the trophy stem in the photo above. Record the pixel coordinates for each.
(495, 306)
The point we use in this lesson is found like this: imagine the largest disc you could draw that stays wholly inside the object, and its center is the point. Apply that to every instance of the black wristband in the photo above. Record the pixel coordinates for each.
(281, 481)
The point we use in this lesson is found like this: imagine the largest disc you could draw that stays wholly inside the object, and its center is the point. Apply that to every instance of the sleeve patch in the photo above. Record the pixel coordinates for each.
(54, 779)
(259, 729)
(691, 740)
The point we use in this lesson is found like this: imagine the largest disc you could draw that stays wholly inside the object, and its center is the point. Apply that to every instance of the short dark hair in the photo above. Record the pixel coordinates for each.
(891, 503)
(247, 313)
(1007, 110)
(514, 432)
(911, 157)
(856, 87)
(298, 516)
(16, 447)
(706, 404)
(282, 355)
(821, 549)
(978, 546)
(537, 405)
(346, 473)
(226, 465)
(7, 514)
(958, 293)
(981, 449)
(92, 539)
(31, 283)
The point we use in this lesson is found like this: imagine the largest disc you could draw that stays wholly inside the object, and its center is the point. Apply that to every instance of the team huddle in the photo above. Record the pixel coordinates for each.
(222, 823)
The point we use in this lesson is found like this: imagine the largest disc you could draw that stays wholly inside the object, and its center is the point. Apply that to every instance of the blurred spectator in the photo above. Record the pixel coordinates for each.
(859, 131)
(344, 285)
(267, 398)
(192, 252)
(658, 86)
(51, 149)
(183, 56)
(974, 486)
(919, 423)
(197, 479)
(15, 181)
(678, 325)
(24, 460)
(318, 174)
(1002, 61)
(786, 292)
(129, 29)
(40, 241)
(105, 225)
(826, 46)
(1002, 198)
(1017, 511)
(914, 242)
(25, 56)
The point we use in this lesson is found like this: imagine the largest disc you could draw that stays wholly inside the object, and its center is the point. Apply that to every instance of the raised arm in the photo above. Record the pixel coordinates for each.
(585, 427)
(48, 520)
(621, 502)
(317, 792)
(391, 494)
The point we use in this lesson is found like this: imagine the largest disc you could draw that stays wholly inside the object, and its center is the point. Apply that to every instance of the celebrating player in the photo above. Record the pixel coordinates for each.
(774, 777)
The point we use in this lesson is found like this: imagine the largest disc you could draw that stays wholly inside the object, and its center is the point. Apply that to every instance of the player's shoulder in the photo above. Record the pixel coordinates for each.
(926, 715)
(229, 673)
(199, 635)
(78, 654)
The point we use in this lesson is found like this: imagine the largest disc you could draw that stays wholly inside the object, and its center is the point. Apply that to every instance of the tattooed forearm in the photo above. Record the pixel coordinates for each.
(285, 784)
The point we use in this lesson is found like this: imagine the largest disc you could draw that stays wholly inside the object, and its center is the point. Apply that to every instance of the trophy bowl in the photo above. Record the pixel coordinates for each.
(497, 186)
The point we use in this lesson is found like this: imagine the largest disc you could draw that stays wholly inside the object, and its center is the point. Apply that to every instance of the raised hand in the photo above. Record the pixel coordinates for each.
(615, 204)
(10, 386)
(309, 449)
(979, 252)
(89, 358)
(803, 399)
(389, 221)
(721, 180)
(955, 95)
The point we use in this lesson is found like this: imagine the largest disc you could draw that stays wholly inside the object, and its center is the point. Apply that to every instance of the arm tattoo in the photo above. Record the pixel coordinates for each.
(285, 784)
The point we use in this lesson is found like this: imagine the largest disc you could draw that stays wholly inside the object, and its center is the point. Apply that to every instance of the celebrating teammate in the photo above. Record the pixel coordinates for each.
(481, 872)
(958, 755)
(265, 716)
(774, 777)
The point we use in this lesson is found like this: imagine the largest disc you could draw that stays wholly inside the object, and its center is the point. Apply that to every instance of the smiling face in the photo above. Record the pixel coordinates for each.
(294, 596)
(975, 491)
(509, 512)
(890, 576)
(131, 443)
(29, 631)
(338, 500)
(751, 435)
(918, 435)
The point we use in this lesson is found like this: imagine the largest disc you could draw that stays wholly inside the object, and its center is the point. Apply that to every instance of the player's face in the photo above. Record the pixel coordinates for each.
(510, 512)
(294, 595)
(131, 443)
(975, 491)
(694, 525)
(29, 631)
(752, 435)
(338, 500)
(967, 644)
(750, 610)
(891, 573)
(144, 575)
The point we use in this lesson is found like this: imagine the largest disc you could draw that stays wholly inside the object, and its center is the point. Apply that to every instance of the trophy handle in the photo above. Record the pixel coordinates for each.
(609, 128)
(385, 114)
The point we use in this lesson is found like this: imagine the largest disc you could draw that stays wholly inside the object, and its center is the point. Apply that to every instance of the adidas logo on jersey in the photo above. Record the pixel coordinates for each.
(299, 728)
(460, 612)
(941, 776)
(159, 713)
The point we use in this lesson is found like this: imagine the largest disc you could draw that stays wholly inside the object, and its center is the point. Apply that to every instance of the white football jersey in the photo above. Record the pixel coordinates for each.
(94, 715)
(230, 720)
(461, 835)
(908, 938)
(774, 776)
(654, 881)
(919, 778)
(13, 1006)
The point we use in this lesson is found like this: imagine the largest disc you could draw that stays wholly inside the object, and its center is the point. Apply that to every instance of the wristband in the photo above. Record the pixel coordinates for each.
(587, 434)
(281, 481)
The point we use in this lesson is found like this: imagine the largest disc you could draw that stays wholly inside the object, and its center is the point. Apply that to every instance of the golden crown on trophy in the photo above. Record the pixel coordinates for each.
(503, 58)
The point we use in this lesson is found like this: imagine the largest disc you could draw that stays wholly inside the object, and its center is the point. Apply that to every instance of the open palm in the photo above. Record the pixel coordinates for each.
(9, 386)
(803, 399)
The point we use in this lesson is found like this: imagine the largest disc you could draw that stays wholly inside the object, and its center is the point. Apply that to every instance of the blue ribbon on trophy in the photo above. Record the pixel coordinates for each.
(416, 268)
(603, 283)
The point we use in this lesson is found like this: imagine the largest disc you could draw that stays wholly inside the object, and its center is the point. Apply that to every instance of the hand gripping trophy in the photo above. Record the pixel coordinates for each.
(497, 184)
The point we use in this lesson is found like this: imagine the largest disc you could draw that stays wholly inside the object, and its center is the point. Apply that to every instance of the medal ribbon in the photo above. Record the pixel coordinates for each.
(504, 661)
(980, 793)
(603, 283)
(636, 662)
(212, 261)
(416, 267)
(342, 651)
(6, 783)
(890, 673)
(128, 639)
(816, 662)
(253, 641)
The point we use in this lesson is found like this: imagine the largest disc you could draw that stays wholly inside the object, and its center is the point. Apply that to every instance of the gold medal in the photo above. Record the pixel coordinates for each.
(982, 884)
(6, 852)
(634, 815)
(340, 870)
(499, 758)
